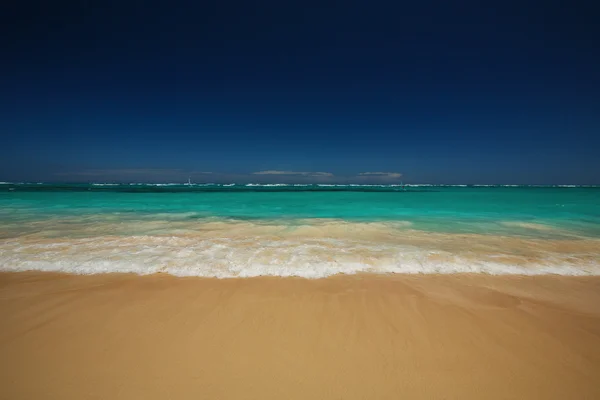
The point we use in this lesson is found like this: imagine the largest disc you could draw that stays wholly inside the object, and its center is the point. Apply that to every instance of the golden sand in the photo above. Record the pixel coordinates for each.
(346, 337)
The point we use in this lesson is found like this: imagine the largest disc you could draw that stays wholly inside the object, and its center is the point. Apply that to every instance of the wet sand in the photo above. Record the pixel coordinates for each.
(344, 337)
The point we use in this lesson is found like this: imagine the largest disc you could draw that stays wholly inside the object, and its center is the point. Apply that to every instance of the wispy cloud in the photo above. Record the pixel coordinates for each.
(181, 174)
(123, 171)
(394, 175)
(297, 173)
(132, 172)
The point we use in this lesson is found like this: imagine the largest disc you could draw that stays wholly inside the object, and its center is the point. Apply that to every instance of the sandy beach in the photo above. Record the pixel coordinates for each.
(345, 337)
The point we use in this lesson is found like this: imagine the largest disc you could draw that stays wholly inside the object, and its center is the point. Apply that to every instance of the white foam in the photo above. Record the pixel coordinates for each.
(266, 184)
(227, 257)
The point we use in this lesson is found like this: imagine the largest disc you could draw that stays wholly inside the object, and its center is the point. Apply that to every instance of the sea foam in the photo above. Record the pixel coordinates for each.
(231, 257)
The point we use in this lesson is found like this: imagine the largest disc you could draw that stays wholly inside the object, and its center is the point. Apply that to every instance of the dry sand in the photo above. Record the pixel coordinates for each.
(348, 337)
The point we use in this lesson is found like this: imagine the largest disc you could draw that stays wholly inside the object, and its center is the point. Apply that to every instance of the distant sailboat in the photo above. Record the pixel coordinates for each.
(189, 182)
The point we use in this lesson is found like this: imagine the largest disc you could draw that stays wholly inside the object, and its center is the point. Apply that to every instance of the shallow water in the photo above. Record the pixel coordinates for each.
(308, 230)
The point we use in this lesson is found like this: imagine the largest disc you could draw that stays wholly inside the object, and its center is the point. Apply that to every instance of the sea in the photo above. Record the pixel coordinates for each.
(310, 231)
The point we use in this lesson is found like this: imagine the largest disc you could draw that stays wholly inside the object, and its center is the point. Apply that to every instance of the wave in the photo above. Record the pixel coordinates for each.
(298, 184)
(266, 184)
(245, 253)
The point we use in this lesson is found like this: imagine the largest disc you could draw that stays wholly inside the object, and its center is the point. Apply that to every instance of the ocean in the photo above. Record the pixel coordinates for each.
(311, 231)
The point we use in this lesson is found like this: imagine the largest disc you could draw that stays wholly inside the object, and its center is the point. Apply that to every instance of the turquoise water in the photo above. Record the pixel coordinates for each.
(445, 209)
(389, 226)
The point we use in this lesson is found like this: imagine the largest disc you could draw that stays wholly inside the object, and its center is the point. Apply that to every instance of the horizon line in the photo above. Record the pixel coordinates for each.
(298, 184)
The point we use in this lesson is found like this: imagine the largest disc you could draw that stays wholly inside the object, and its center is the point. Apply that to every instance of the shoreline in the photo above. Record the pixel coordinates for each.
(461, 336)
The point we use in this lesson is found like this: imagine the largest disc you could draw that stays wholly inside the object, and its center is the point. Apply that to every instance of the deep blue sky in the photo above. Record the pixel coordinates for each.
(472, 92)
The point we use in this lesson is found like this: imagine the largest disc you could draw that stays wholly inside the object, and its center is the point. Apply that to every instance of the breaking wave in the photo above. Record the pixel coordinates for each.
(325, 248)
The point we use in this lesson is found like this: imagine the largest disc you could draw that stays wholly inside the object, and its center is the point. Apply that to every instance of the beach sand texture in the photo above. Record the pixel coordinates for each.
(119, 336)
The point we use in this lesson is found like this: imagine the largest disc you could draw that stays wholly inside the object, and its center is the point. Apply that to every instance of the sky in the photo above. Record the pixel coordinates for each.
(283, 91)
